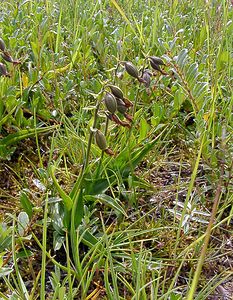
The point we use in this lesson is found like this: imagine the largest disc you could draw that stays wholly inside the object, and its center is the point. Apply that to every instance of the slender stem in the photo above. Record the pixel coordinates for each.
(90, 138)
(206, 242)
(102, 154)
(75, 195)
(44, 243)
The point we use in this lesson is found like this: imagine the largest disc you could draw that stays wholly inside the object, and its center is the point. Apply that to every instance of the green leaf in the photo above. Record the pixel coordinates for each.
(88, 238)
(192, 72)
(68, 203)
(23, 221)
(26, 204)
(179, 98)
(79, 210)
(5, 271)
(23, 134)
(112, 202)
(97, 186)
(202, 37)
(128, 161)
(144, 128)
(181, 59)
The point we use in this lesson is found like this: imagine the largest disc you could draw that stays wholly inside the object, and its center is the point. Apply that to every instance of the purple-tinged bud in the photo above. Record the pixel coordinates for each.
(110, 103)
(116, 91)
(157, 60)
(100, 140)
(2, 45)
(131, 69)
(3, 70)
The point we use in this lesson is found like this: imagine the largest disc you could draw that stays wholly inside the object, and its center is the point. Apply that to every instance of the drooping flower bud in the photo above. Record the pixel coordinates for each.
(100, 140)
(2, 45)
(7, 57)
(128, 117)
(3, 70)
(109, 151)
(157, 60)
(146, 77)
(118, 121)
(157, 67)
(110, 103)
(121, 107)
(131, 69)
(127, 102)
(117, 92)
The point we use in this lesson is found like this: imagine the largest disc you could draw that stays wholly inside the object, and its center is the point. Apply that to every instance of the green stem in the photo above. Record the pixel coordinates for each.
(91, 137)
(75, 196)
(206, 242)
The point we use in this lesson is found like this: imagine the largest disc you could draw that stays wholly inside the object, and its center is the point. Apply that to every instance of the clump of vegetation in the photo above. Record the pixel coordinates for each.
(116, 150)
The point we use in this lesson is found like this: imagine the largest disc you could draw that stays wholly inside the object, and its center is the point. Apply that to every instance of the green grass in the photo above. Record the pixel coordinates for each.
(151, 221)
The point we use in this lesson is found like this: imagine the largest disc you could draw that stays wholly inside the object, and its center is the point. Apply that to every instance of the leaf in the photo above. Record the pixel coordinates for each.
(144, 128)
(88, 238)
(129, 161)
(5, 118)
(5, 271)
(79, 210)
(192, 72)
(122, 13)
(24, 80)
(23, 221)
(112, 202)
(174, 296)
(181, 59)
(66, 198)
(179, 98)
(23, 134)
(26, 204)
(202, 37)
(97, 186)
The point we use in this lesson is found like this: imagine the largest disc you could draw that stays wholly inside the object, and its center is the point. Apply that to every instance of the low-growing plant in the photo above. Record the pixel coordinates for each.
(127, 112)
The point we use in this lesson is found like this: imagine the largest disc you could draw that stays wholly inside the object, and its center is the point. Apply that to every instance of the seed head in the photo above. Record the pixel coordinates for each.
(128, 117)
(118, 121)
(127, 102)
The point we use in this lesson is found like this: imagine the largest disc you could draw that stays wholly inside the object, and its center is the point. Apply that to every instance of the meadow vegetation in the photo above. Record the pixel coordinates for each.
(116, 149)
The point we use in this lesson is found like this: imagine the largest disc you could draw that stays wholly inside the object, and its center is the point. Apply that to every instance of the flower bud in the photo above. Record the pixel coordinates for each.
(6, 56)
(120, 101)
(157, 60)
(109, 151)
(110, 103)
(118, 121)
(146, 77)
(2, 45)
(121, 107)
(3, 70)
(117, 92)
(157, 67)
(131, 69)
(128, 117)
(127, 102)
(100, 140)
